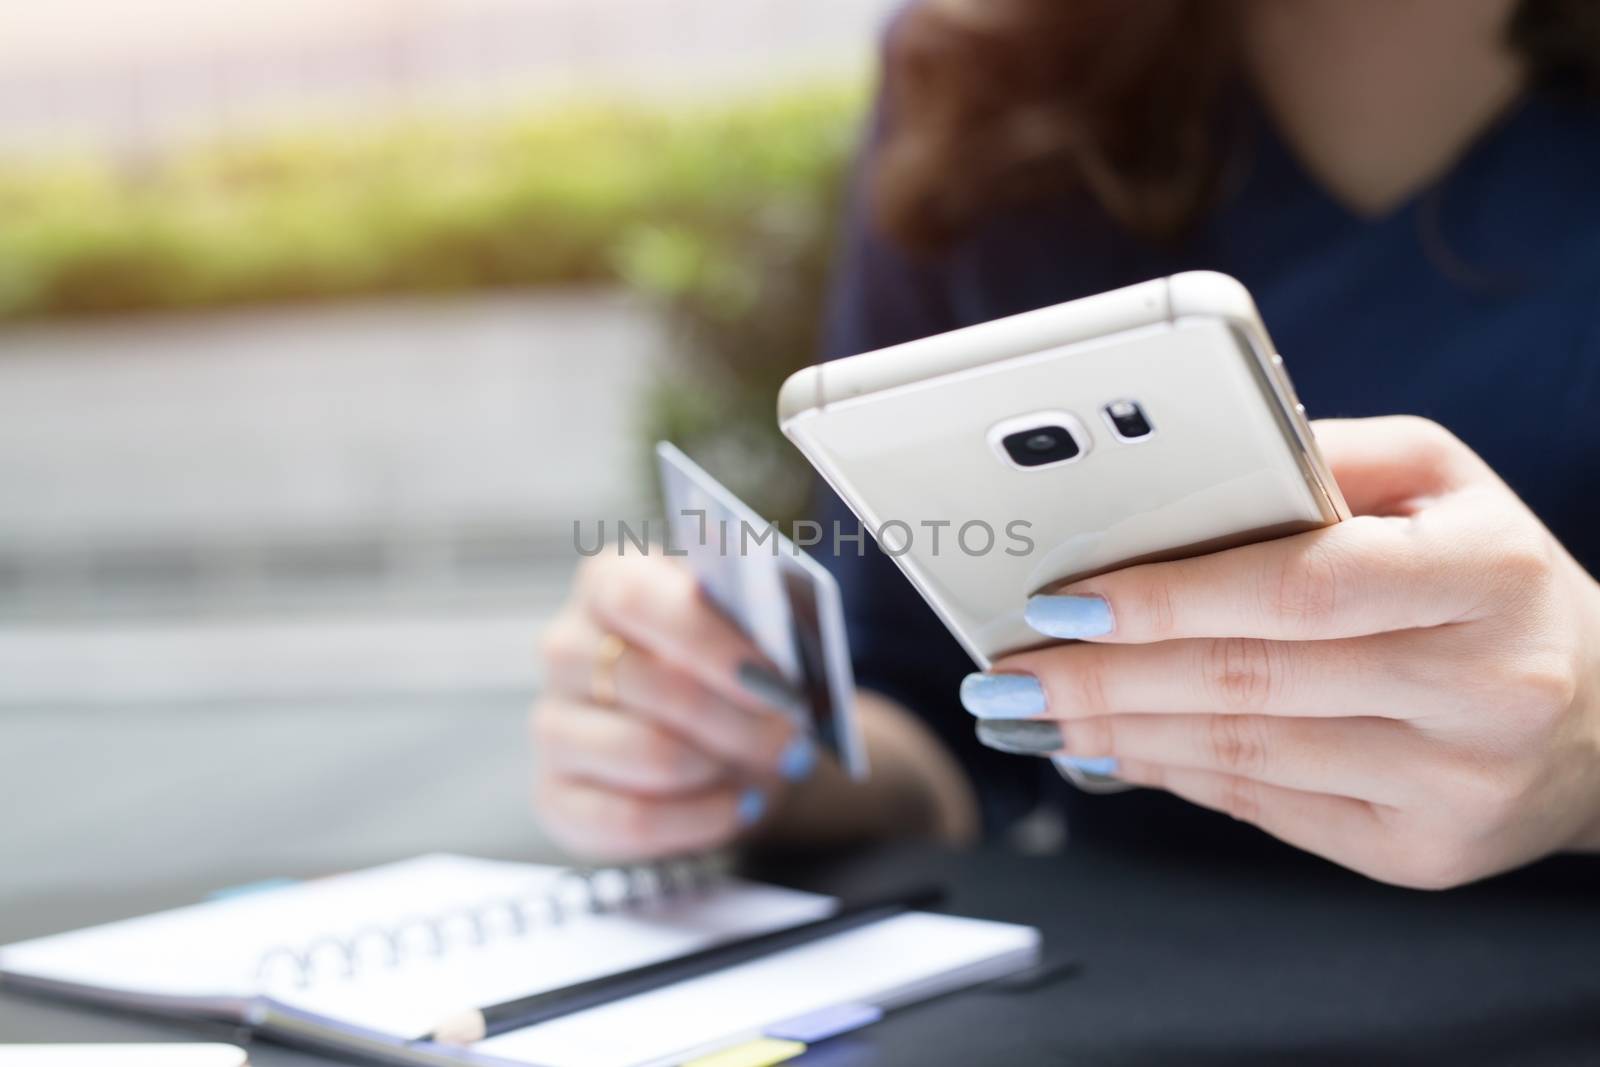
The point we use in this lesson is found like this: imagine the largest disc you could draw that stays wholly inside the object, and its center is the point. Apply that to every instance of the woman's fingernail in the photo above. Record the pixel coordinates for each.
(1002, 696)
(772, 689)
(1029, 738)
(752, 805)
(1069, 616)
(799, 758)
(1106, 765)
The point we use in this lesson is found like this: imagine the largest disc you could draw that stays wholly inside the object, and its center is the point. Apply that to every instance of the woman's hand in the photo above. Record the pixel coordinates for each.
(1411, 693)
(655, 732)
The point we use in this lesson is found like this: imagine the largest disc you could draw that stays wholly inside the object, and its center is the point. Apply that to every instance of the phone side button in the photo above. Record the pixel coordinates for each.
(1282, 374)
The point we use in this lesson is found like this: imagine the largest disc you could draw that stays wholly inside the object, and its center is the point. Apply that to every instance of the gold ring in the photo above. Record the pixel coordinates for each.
(603, 677)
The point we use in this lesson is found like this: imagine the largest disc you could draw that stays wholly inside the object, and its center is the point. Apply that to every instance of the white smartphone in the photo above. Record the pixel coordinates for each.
(996, 461)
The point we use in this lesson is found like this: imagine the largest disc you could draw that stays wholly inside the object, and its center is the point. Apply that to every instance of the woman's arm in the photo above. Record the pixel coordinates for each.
(916, 788)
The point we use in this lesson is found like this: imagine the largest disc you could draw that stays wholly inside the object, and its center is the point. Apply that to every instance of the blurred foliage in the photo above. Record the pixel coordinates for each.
(722, 216)
(419, 206)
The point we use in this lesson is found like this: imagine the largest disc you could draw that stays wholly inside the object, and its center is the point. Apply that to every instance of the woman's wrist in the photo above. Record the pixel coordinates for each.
(925, 790)
(916, 788)
(1588, 700)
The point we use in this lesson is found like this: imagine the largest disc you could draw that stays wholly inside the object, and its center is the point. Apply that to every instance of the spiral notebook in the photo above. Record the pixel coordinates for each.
(364, 963)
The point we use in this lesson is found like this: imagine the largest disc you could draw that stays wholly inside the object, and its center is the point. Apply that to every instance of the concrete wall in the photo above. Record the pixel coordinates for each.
(240, 454)
(294, 504)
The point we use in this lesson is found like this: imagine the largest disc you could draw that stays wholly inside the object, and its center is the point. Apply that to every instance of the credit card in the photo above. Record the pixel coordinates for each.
(787, 603)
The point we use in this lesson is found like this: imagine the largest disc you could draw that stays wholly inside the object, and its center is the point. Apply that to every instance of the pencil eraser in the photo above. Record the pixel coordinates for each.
(819, 1025)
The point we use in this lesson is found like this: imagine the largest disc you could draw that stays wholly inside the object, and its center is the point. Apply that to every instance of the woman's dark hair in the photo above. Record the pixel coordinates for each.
(997, 102)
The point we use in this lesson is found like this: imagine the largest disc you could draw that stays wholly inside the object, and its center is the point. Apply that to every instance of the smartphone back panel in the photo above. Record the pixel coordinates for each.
(937, 466)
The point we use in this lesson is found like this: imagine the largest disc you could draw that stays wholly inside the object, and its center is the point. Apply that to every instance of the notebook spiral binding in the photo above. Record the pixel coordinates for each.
(577, 891)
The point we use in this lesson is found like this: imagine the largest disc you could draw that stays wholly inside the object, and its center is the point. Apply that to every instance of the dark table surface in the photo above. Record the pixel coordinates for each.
(1184, 959)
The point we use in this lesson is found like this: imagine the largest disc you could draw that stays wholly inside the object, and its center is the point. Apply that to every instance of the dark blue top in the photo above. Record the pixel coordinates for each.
(1475, 303)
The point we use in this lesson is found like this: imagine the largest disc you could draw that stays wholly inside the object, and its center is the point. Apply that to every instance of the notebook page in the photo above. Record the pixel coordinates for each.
(210, 951)
(409, 1001)
(874, 964)
(213, 949)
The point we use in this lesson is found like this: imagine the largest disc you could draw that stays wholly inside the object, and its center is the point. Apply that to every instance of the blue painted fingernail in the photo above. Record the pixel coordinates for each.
(1069, 616)
(1002, 696)
(1091, 764)
(799, 758)
(752, 805)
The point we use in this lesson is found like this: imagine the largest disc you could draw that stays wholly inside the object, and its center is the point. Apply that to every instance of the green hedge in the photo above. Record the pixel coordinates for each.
(431, 206)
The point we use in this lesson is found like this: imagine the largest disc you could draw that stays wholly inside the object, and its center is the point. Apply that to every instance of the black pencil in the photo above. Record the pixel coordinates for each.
(478, 1023)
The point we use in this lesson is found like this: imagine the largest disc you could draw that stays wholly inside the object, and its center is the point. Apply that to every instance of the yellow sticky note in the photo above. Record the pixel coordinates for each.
(760, 1053)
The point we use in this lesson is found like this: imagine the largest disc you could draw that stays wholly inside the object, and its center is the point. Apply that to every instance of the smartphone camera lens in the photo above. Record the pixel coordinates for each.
(1128, 419)
(1038, 445)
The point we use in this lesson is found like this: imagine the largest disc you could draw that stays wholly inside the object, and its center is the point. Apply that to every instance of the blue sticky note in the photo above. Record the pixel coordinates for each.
(819, 1025)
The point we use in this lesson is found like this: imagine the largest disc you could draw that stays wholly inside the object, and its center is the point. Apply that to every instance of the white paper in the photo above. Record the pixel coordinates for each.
(901, 958)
